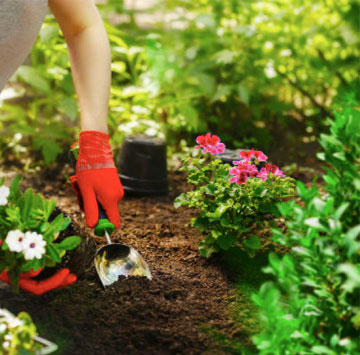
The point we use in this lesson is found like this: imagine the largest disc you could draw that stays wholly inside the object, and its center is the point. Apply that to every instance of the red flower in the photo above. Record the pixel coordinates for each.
(210, 144)
(253, 154)
(270, 168)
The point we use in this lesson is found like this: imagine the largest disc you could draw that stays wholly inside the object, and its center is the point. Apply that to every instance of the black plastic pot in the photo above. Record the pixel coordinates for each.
(142, 166)
(230, 155)
(234, 154)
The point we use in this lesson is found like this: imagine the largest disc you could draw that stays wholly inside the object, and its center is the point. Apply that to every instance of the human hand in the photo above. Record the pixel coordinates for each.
(27, 283)
(96, 178)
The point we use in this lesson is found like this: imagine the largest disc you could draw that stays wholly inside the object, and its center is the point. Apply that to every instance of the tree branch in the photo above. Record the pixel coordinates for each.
(323, 110)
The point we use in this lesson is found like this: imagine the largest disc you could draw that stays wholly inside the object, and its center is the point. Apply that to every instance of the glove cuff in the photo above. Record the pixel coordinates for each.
(94, 151)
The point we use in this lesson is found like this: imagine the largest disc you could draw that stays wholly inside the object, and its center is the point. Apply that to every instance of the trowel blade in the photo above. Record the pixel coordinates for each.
(115, 260)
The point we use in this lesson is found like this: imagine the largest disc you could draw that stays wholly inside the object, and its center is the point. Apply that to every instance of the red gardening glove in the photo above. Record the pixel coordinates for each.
(96, 178)
(62, 278)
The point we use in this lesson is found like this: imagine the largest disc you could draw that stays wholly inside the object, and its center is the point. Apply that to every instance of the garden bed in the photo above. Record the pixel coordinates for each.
(166, 315)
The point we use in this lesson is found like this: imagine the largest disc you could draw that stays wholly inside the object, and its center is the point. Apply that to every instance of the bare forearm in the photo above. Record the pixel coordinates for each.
(90, 58)
(90, 62)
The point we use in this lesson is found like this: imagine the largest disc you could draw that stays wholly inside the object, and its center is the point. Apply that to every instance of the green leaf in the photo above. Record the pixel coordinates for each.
(225, 56)
(313, 222)
(53, 252)
(321, 349)
(252, 243)
(69, 107)
(243, 93)
(47, 33)
(49, 148)
(25, 205)
(341, 210)
(191, 116)
(70, 243)
(59, 224)
(32, 77)
(15, 192)
(222, 92)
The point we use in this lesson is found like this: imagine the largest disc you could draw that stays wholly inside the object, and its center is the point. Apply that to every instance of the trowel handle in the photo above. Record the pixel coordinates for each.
(103, 224)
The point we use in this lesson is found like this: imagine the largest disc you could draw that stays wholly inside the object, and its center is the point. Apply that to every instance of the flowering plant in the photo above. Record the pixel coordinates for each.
(17, 334)
(27, 237)
(233, 200)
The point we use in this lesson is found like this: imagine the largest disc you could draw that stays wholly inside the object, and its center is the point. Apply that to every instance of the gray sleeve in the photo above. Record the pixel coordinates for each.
(20, 23)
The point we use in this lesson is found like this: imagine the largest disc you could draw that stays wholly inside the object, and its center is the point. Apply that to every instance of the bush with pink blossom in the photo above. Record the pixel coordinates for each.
(232, 199)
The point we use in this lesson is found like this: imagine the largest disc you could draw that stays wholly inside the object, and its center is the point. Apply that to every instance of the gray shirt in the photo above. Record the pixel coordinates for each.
(20, 23)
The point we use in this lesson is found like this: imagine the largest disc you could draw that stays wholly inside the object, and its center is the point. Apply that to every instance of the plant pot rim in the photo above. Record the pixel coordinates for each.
(144, 140)
(48, 348)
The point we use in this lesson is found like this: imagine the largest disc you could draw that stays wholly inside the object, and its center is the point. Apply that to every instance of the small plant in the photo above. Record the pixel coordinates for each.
(17, 334)
(27, 238)
(233, 200)
(312, 305)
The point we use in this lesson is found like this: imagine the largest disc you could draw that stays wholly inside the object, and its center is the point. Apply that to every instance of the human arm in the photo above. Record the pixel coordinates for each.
(96, 178)
(90, 58)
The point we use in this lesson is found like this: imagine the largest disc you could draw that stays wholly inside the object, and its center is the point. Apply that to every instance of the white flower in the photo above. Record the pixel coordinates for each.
(14, 323)
(6, 345)
(269, 69)
(4, 193)
(33, 246)
(15, 240)
(8, 337)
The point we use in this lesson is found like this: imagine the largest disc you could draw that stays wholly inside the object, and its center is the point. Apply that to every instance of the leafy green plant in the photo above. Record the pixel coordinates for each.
(231, 208)
(17, 334)
(312, 305)
(242, 67)
(27, 238)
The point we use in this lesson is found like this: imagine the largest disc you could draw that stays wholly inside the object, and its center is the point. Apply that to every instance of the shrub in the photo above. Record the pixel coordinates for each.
(230, 206)
(312, 305)
(27, 238)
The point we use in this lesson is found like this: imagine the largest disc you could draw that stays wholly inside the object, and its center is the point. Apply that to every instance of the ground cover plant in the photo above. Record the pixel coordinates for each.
(233, 200)
(17, 334)
(312, 305)
(27, 237)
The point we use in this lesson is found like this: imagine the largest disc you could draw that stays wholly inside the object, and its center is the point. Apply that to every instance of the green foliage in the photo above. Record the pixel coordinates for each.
(312, 304)
(243, 68)
(29, 212)
(229, 212)
(247, 66)
(17, 334)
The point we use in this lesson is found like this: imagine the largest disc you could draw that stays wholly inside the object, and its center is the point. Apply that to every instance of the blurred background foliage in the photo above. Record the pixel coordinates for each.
(259, 74)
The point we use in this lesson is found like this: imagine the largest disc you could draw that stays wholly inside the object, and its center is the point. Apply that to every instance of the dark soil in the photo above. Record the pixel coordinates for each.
(136, 316)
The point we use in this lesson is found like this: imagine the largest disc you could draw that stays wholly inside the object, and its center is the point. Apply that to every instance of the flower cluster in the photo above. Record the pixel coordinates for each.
(31, 244)
(210, 144)
(246, 167)
(8, 321)
(17, 334)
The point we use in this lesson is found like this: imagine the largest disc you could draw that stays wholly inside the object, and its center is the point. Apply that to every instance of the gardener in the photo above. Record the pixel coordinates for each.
(96, 177)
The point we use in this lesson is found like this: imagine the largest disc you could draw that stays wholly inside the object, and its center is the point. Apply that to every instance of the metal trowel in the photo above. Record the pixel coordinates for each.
(114, 259)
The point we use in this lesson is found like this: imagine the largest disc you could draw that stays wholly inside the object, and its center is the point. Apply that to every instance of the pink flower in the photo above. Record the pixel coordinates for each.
(270, 168)
(263, 175)
(242, 172)
(244, 165)
(253, 154)
(240, 177)
(210, 144)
